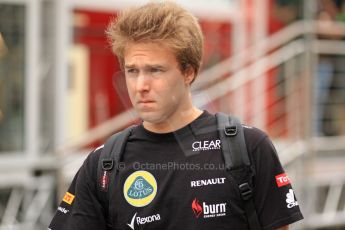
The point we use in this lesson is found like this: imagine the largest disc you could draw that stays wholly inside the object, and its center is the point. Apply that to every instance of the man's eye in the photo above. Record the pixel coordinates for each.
(156, 70)
(131, 71)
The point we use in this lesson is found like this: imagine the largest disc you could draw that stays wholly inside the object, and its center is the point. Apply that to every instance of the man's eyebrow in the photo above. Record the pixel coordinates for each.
(129, 66)
(146, 66)
(155, 66)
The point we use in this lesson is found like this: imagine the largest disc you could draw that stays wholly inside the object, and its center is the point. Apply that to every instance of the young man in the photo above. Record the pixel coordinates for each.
(167, 181)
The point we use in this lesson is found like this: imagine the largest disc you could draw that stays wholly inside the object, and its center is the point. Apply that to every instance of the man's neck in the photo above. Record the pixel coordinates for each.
(168, 126)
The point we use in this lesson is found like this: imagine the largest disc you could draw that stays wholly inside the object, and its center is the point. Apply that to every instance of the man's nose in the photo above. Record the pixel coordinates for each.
(143, 81)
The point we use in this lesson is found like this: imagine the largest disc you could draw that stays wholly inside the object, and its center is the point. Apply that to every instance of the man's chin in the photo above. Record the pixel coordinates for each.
(150, 116)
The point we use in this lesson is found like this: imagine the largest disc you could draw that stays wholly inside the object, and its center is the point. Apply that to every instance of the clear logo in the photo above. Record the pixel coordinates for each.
(206, 145)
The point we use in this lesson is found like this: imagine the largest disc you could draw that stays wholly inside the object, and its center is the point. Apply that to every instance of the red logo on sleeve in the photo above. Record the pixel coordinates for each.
(282, 180)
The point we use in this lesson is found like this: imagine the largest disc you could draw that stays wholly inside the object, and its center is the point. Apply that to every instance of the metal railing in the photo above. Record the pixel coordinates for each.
(220, 87)
(231, 86)
(228, 86)
(258, 56)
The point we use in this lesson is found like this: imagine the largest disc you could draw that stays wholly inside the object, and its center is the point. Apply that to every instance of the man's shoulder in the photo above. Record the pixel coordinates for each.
(253, 136)
(95, 154)
(91, 161)
(253, 133)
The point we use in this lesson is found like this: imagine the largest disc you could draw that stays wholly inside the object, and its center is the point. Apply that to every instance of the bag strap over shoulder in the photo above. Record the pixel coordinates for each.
(231, 130)
(108, 161)
(237, 163)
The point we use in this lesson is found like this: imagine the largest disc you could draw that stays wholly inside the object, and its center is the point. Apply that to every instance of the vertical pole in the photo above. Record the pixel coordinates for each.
(260, 32)
(32, 91)
(32, 79)
(310, 9)
(239, 43)
(61, 69)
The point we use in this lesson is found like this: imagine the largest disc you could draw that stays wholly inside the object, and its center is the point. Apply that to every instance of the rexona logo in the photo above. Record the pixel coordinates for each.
(208, 210)
(140, 188)
(290, 199)
(213, 181)
(282, 180)
(206, 145)
(63, 210)
(143, 220)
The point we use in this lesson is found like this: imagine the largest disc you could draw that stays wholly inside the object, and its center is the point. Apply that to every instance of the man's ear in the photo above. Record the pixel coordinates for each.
(189, 75)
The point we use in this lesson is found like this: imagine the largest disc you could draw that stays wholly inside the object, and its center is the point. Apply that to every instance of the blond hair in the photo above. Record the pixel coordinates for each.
(165, 23)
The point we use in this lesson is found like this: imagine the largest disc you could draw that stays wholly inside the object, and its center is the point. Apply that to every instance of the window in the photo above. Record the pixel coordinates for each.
(12, 50)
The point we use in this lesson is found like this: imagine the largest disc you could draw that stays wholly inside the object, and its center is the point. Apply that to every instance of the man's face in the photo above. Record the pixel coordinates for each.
(158, 90)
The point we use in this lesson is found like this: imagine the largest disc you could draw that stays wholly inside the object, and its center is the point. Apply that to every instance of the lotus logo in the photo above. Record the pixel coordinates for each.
(140, 188)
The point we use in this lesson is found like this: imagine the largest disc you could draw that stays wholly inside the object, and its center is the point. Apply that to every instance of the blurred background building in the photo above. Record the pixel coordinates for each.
(278, 64)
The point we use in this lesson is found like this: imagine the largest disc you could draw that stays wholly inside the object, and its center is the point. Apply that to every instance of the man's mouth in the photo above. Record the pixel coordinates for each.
(145, 101)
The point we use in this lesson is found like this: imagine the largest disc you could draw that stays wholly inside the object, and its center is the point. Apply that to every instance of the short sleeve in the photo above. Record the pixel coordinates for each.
(274, 197)
(80, 208)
